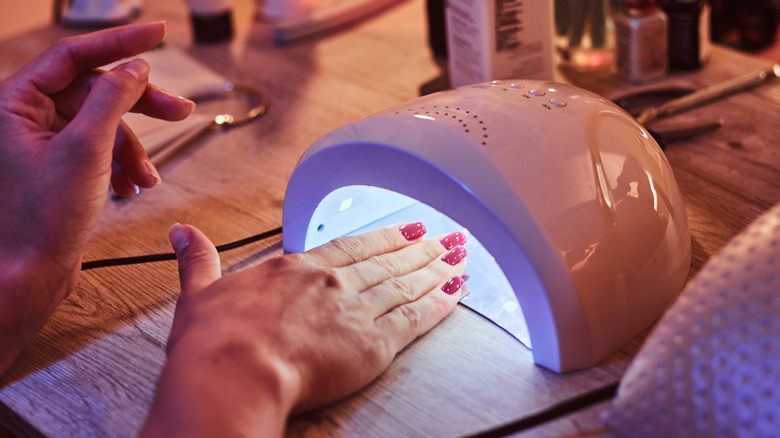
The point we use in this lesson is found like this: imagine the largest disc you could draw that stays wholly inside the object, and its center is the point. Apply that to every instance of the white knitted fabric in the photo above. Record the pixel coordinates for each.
(711, 368)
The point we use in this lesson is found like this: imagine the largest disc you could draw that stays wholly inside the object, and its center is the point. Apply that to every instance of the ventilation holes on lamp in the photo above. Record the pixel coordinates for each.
(464, 119)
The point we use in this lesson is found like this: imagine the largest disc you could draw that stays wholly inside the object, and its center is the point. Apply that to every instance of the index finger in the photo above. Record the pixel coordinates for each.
(347, 250)
(55, 68)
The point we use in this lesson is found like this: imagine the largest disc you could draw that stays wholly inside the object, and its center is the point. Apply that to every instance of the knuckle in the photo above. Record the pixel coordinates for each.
(329, 278)
(391, 266)
(114, 83)
(403, 289)
(414, 317)
(282, 263)
(354, 248)
(298, 265)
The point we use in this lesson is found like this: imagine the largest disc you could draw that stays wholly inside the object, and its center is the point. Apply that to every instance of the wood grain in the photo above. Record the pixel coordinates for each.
(92, 370)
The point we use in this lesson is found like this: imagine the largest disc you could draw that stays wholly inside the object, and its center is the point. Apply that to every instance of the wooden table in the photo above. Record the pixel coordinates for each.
(92, 370)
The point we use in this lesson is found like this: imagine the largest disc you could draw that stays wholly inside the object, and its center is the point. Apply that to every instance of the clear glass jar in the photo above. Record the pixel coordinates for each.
(585, 34)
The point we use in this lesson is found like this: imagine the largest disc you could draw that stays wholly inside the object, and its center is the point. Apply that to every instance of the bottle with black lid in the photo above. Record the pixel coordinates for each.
(689, 33)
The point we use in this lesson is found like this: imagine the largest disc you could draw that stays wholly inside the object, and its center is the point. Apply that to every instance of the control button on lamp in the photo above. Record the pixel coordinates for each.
(558, 103)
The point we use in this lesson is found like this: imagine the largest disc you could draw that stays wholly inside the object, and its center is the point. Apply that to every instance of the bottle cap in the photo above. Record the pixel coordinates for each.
(213, 28)
(640, 5)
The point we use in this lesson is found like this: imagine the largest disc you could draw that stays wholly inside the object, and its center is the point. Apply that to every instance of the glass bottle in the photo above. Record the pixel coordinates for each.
(585, 33)
(641, 31)
(689, 33)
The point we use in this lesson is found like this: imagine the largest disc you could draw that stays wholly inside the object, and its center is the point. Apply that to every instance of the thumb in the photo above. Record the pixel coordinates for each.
(113, 93)
(197, 256)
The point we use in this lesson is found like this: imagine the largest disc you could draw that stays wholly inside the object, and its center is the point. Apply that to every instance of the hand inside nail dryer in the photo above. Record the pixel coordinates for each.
(298, 331)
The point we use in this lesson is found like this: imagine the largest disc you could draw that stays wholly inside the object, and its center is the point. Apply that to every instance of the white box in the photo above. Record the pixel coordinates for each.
(499, 39)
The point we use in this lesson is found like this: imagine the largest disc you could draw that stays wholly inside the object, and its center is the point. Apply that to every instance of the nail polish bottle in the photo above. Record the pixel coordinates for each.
(689, 33)
(641, 31)
(212, 20)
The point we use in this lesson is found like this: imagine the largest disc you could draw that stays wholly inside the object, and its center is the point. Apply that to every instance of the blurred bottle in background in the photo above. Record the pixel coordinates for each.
(212, 20)
(585, 34)
(747, 25)
(689, 33)
(96, 13)
(642, 37)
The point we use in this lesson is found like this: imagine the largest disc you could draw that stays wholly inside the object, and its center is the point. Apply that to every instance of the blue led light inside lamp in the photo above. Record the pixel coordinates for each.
(491, 295)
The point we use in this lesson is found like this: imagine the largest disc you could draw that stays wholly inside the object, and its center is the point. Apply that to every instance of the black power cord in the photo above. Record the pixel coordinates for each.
(552, 412)
(172, 256)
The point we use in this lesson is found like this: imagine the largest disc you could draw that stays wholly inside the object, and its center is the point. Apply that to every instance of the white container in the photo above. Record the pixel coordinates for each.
(499, 39)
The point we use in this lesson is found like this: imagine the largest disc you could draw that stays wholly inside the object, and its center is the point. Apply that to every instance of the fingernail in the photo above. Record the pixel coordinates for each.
(179, 236)
(454, 284)
(454, 256)
(188, 102)
(453, 239)
(412, 231)
(153, 172)
(138, 68)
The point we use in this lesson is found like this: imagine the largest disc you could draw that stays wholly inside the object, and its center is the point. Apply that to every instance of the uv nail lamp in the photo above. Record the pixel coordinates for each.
(578, 238)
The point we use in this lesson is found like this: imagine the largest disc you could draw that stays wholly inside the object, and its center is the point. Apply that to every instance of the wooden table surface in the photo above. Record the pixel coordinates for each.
(92, 370)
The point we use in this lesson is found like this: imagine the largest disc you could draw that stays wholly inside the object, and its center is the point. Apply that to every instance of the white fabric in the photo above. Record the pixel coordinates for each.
(711, 368)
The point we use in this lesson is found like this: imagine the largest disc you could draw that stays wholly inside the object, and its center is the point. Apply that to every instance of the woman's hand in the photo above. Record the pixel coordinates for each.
(298, 331)
(62, 143)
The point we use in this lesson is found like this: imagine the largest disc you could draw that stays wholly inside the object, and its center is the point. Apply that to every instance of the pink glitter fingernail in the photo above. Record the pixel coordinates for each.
(454, 284)
(412, 231)
(453, 239)
(454, 256)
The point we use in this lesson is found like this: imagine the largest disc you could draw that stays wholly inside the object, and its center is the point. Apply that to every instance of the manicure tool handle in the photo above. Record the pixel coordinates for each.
(161, 156)
(717, 91)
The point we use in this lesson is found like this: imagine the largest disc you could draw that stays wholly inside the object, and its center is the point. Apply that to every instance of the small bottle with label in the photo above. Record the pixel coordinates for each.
(689, 33)
(641, 30)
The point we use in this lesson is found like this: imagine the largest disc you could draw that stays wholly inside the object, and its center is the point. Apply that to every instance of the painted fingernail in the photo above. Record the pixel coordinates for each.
(454, 256)
(412, 231)
(453, 239)
(179, 236)
(153, 172)
(454, 284)
(138, 68)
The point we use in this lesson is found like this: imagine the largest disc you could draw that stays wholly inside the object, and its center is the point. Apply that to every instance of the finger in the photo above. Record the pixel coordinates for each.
(132, 160)
(121, 184)
(375, 270)
(347, 250)
(53, 70)
(198, 258)
(113, 94)
(155, 102)
(399, 291)
(69, 101)
(407, 322)
(161, 104)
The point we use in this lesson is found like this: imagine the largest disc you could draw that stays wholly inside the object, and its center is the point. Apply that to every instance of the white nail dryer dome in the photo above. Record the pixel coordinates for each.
(564, 192)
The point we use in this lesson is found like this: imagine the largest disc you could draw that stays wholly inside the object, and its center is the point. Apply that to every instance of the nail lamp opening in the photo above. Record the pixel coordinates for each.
(578, 238)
